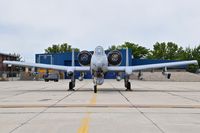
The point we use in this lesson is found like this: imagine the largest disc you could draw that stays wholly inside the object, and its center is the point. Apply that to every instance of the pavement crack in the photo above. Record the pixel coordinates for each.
(24, 92)
(30, 119)
(150, 120)
(191, 99)
(142, 113)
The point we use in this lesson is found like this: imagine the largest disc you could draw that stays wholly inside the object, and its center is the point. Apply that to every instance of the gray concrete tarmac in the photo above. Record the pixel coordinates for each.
(152, 107)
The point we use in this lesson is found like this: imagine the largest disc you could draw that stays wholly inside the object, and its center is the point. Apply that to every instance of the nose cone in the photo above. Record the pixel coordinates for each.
(99, 64)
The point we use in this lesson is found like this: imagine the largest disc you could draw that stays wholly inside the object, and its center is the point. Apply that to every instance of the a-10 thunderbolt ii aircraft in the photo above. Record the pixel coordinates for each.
(99, 64)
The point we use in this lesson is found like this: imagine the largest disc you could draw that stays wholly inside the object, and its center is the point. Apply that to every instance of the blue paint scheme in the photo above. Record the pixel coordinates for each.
(65, 60)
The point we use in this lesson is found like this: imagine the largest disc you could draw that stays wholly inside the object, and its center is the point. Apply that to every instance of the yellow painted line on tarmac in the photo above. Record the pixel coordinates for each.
(84, 128)
(94, 99)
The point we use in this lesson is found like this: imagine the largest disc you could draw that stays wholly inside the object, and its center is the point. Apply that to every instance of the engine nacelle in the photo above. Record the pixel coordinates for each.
(84, 58)
(114, 58)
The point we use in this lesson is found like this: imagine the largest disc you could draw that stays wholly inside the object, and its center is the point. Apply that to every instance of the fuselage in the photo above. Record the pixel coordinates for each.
(99, 65)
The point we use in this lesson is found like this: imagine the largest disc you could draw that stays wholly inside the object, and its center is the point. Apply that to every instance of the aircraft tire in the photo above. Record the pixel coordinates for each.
(128, 86)
(71, 86)
(169, 76)
(95, 88)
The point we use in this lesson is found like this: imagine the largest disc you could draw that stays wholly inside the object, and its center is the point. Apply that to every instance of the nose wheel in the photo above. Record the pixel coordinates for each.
(95, 88)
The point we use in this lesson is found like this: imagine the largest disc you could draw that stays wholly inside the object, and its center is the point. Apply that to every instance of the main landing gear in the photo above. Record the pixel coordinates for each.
(71, 86)
(72, 83)
(127, 83)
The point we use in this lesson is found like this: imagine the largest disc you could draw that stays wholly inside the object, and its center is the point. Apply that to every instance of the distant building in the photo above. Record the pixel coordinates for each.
(4, 67)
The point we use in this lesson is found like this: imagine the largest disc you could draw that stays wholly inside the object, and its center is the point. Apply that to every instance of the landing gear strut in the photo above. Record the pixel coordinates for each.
(71, 86)
(95, 88)
(95, 84)
(72, 83)
(127, 83)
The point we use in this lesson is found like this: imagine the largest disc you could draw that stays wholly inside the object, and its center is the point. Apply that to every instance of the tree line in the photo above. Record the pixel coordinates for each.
(163, 50)
(60, 48)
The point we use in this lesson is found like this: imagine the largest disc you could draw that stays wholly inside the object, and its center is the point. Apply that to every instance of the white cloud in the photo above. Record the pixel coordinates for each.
(28, 26)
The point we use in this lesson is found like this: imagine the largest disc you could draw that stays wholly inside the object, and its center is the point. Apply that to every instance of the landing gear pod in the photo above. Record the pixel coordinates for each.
(165, 73)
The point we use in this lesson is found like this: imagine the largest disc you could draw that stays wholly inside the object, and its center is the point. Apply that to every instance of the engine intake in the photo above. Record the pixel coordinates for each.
(114, 58)
(84, 58)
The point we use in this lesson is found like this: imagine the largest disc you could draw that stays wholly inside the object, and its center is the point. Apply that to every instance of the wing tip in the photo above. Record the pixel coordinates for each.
(5, 62)
(195, 62)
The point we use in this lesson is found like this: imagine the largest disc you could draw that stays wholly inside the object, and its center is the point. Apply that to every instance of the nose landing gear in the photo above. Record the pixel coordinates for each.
(95, 88)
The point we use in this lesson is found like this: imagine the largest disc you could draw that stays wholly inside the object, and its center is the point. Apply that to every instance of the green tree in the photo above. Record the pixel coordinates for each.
(196, 54)
(168, 51)
(60, 48)
(138, 51)
(180, 54)
(113, 47)
(158, 52)
(188, 54)
(192, 54)
(171, 51)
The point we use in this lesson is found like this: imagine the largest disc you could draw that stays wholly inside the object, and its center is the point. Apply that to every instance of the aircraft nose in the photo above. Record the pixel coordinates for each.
(99, 64)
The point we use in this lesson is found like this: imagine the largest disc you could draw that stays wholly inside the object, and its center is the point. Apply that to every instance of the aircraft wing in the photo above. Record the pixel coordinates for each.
(150, 66)
(48, 66)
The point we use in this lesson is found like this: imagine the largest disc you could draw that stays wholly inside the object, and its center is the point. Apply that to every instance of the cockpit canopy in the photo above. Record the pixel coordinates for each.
(99, 50)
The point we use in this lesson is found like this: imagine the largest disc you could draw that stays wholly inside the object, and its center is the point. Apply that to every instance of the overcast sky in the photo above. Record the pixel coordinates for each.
(29, 26)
